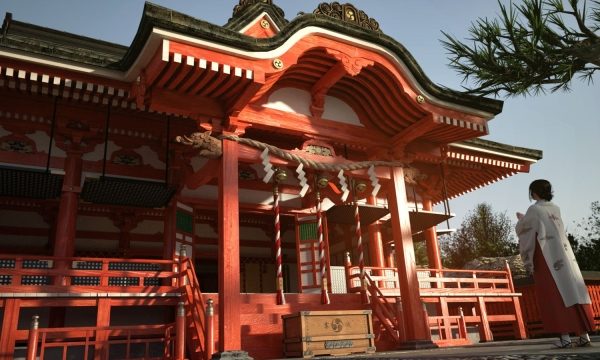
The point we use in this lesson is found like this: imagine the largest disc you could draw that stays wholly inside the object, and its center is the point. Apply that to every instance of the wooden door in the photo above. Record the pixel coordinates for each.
(307, 247)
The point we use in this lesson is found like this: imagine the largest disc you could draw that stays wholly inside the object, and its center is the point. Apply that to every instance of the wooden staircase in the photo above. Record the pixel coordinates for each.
(446, 293)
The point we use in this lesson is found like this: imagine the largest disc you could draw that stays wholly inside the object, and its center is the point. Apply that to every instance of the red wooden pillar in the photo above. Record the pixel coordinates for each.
(102, 321)
(66, 223)
(8, 330)
(170, 218)
(376, 252)
(433, 249)
(229, 254)
(417, 334)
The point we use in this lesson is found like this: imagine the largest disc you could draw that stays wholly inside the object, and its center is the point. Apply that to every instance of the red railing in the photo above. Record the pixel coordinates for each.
(123, 342)
(437, 286)
(23, 274)
(29, 275)
(199, 317)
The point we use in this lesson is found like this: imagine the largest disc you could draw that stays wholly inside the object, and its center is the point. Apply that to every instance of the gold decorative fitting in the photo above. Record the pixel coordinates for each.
(322, 182)
(280, 175)
(420, 99)
(350, 15)
(360, 187)
(265, 24)
(278, 64)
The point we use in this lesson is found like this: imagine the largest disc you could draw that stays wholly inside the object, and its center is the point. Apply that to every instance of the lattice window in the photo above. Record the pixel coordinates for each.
(123, 281)
(85, 281)
(35, 280)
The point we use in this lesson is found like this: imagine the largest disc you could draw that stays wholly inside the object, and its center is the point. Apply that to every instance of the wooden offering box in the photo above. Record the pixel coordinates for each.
(310, 333)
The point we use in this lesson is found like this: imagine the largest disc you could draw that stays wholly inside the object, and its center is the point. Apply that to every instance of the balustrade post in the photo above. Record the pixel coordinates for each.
(210, 329)
(183, 280)
(426, 319)
(462, 325)
(347, 266)
(400, 320)
(32, 342)
(180, 332)
(509, 275)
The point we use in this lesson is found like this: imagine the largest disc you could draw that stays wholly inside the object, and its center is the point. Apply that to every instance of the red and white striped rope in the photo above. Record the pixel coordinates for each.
(359, 245)
(278, 261)
(322, 263)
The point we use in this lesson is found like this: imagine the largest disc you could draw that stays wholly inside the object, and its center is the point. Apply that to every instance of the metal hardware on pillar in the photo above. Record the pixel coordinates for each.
(180, 332)
(280, 175)
(210, 329)
(183, 265)
(348, 265)
(32, 341)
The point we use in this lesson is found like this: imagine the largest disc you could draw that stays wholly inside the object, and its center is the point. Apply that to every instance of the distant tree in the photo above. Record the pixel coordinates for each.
(420, 253)
(535, 45)
(483, 233)
(587, 250)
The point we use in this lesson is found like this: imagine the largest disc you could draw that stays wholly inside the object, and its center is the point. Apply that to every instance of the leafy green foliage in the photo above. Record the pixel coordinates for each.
(483, 233)
(587, 249)
(534, 46)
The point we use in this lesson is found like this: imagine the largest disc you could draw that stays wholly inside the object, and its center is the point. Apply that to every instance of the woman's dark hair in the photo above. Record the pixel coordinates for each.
(541, 188)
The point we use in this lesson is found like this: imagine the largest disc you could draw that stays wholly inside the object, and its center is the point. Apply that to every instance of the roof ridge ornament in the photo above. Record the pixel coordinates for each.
(348, 13)
(245, 4)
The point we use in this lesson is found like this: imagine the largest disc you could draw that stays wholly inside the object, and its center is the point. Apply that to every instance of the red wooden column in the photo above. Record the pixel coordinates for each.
(170, 218)
(230, 328)
(66, 223)
(8, 330)
(417, 333)
(376, 252)
(102, 320)
(431, 243)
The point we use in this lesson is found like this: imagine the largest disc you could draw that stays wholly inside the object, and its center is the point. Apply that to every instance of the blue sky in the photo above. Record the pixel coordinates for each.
(565, 126)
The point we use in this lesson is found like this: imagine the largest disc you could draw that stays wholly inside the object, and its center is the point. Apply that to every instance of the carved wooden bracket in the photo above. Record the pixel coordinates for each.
(346, 65)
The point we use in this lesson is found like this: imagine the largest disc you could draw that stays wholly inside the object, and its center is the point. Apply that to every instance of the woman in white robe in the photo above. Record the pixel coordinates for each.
(563, 299)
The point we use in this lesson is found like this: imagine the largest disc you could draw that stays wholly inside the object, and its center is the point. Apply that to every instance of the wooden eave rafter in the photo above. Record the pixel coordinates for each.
(197, 83)
(468, 171)
(40, 80)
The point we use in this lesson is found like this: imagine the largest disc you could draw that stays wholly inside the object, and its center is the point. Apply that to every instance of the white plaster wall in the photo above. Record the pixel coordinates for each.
(95, 223)
(198, 162)
(338, 110)
(95, 244)
(98, 153)
(298, 101)
(150, 157)
(148, 227)
(22, 241)
(29, 219)
(290, 100)
(253, 233)
(146, 245)
(205, 231)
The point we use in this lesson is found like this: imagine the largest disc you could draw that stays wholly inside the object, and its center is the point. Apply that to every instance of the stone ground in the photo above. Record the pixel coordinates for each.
(534, 349)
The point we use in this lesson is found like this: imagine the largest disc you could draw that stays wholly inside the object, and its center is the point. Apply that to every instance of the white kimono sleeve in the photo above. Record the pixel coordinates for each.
(526, 231)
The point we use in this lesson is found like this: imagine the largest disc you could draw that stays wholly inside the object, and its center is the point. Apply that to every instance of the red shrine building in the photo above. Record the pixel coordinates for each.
(212, 191)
